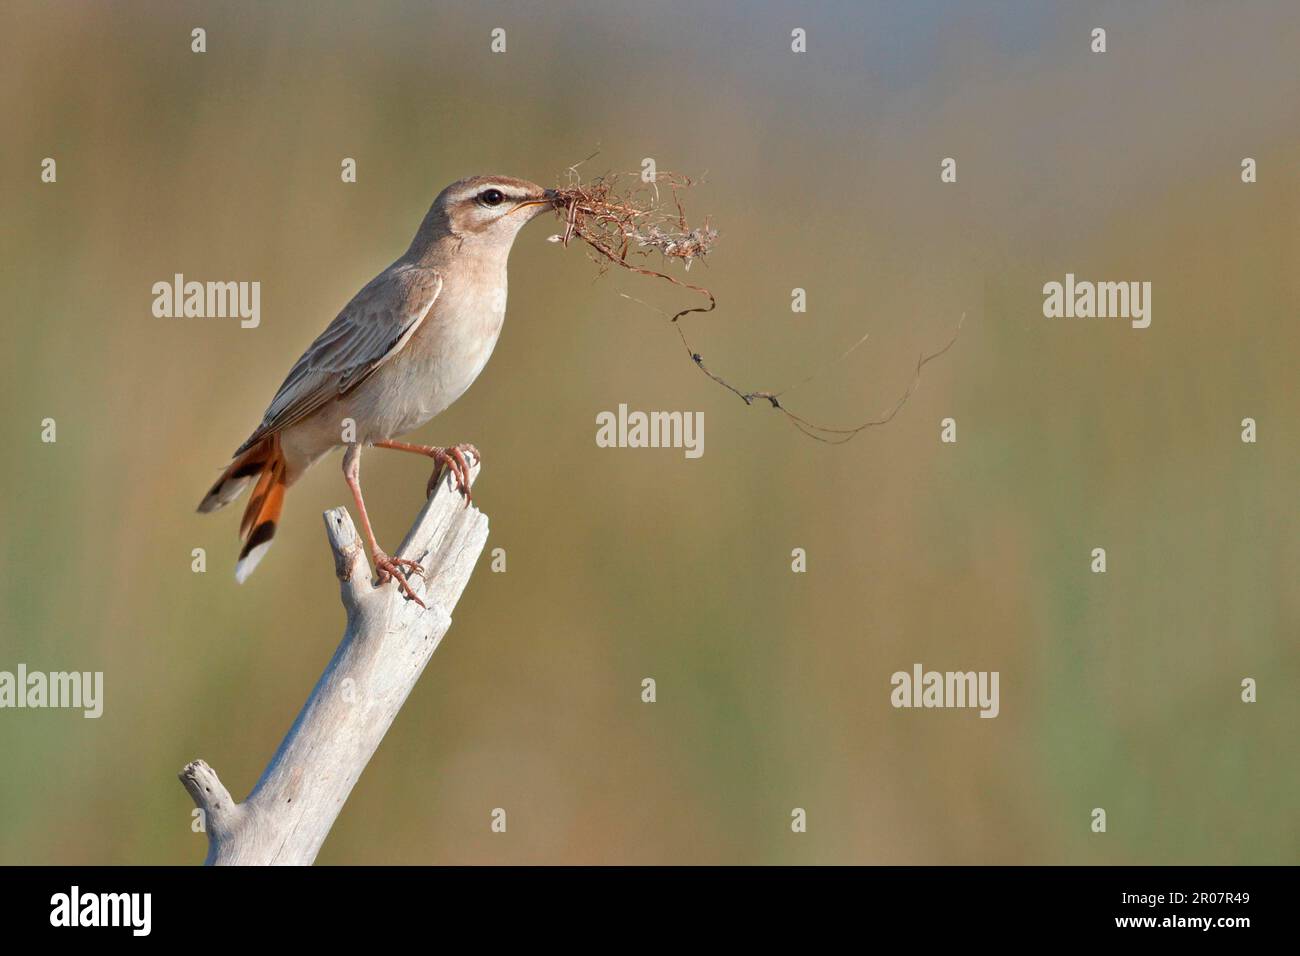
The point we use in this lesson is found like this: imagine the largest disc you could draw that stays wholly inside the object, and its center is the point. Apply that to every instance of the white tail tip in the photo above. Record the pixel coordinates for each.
(248, 563)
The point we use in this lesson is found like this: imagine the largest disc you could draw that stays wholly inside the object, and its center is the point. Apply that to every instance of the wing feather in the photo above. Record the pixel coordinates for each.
(370, 330)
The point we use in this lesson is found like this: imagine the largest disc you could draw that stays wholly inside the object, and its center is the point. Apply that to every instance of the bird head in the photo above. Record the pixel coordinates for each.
(489, 210)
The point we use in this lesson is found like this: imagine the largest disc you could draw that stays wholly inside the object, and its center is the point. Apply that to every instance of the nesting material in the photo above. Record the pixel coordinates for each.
(620, 216)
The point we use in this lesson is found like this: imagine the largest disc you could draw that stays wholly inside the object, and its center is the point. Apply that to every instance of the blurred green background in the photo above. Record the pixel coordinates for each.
(821, 171)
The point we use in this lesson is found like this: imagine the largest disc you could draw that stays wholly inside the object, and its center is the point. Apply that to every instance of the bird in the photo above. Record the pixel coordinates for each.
(406, 346)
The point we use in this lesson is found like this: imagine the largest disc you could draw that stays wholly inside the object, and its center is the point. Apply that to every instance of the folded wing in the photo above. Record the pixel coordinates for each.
(370, 330)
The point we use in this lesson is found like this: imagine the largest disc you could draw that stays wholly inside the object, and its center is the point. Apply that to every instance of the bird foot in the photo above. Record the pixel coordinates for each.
(387, 569)
(453, 457)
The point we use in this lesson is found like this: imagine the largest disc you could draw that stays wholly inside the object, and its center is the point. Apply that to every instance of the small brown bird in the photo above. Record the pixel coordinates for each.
(408, 345)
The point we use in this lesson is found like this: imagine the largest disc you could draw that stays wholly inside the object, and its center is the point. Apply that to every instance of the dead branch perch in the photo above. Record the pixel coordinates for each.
(385, 647)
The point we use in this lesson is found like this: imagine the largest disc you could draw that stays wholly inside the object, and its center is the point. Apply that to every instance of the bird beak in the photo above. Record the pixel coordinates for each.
(547, 201)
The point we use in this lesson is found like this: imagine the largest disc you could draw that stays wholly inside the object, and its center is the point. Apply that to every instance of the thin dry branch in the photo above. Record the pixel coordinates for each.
(823, 433)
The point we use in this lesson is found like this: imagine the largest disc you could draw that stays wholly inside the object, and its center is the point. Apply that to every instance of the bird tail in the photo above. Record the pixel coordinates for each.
(265, 462)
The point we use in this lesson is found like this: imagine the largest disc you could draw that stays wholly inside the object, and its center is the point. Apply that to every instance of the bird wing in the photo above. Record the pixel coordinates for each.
(370, 330)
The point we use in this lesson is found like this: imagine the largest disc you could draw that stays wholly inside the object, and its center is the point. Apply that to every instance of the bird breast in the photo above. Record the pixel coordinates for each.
(442, 359)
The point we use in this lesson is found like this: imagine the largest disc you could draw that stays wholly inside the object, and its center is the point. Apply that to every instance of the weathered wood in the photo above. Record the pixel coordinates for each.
(387, 643)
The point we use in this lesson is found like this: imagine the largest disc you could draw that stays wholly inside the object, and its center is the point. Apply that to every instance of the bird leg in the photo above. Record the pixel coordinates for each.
(386, 568)
(452, 457)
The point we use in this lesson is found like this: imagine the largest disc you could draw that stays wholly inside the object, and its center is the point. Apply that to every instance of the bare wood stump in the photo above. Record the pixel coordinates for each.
(387, 642)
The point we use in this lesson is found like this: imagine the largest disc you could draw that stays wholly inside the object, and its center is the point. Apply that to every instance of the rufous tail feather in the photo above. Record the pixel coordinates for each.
(265, 462)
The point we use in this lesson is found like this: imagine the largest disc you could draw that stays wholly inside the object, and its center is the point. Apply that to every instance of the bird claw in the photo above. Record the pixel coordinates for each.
(453, 457)
(388, 569)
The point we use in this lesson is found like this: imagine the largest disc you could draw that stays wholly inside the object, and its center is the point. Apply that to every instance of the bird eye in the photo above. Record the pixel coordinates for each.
(491, 197)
